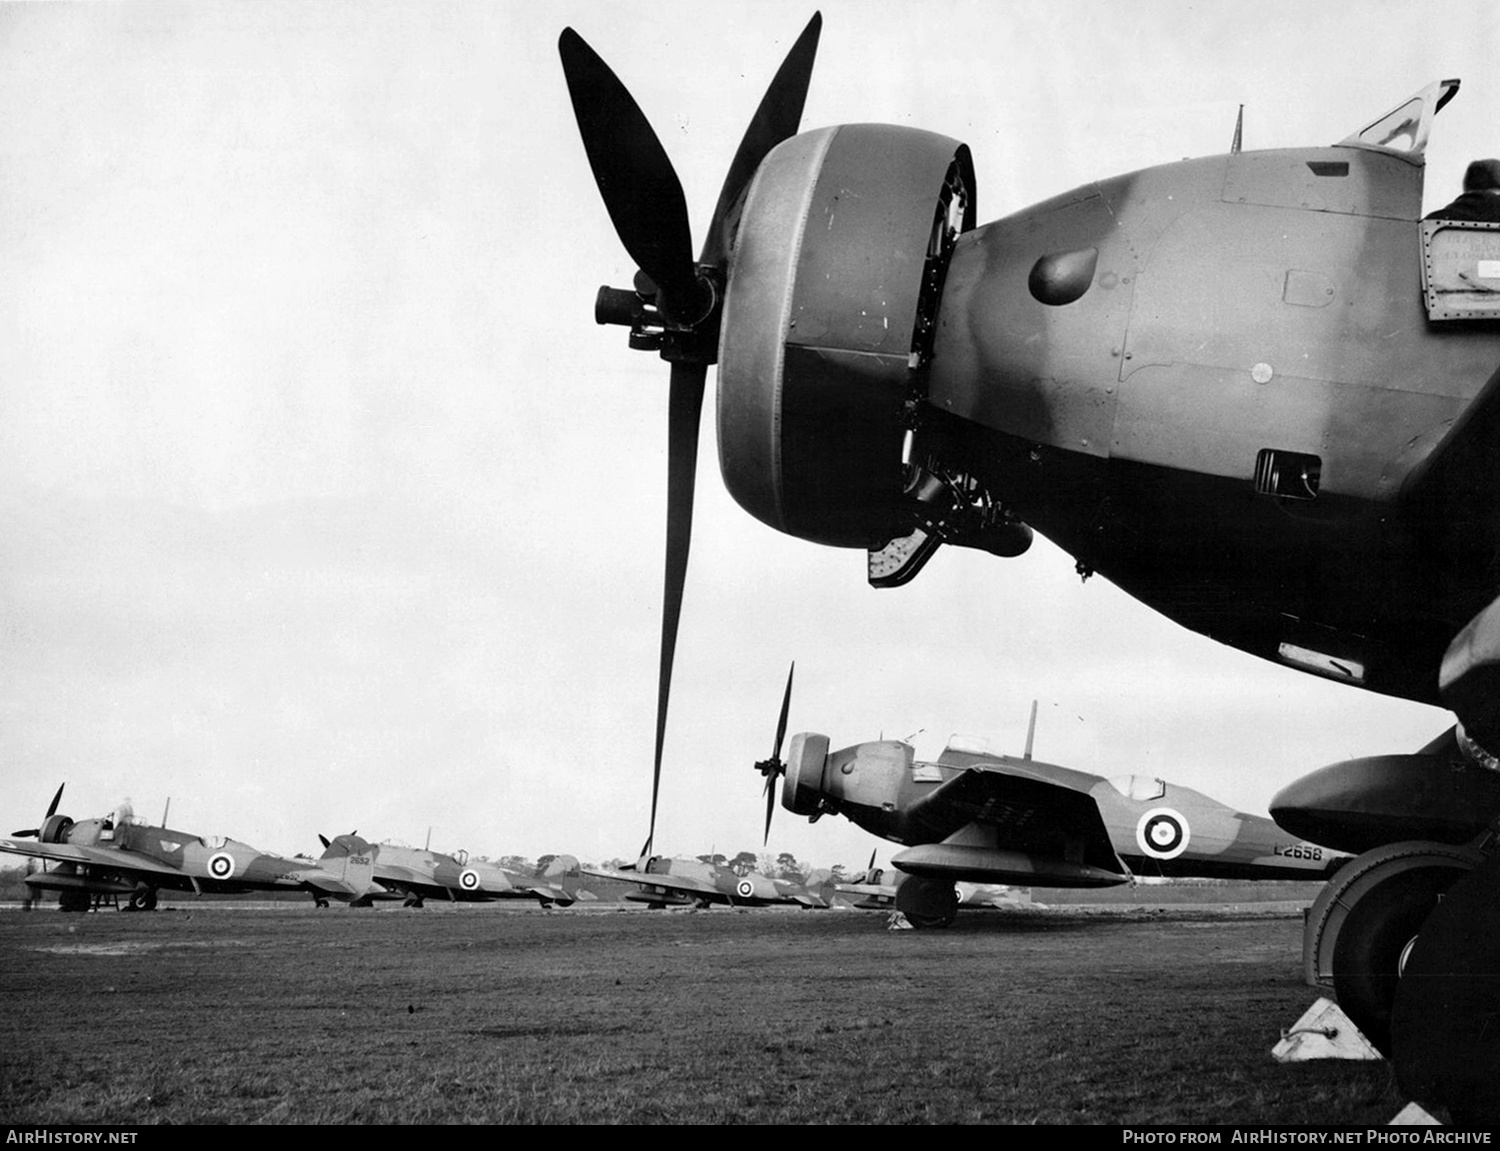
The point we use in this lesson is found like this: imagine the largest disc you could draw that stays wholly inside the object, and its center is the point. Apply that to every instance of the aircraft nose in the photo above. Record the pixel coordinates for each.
(1035, 314)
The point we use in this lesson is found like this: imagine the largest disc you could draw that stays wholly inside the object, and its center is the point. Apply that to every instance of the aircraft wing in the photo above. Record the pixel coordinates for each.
(406, 881)
(548, 893)
(324, 882)
(114, 858)
(870, 896)
(801, 897)
(809, 901)
(682, 884)
(1030, 813)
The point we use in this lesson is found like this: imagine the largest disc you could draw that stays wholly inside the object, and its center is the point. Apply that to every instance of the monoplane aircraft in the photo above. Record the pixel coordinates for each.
(663, 881)
(1254, 390)
(417, 874)
(977, 816)
(116, 856)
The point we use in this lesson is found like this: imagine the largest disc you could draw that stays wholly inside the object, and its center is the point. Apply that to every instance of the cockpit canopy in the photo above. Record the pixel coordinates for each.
(1141, 788)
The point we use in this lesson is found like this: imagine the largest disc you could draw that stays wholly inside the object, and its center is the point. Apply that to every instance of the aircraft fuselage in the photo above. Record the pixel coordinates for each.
(1236, 314)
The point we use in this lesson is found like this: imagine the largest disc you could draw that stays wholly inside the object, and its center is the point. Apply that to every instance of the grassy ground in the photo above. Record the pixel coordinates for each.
(481, 1015)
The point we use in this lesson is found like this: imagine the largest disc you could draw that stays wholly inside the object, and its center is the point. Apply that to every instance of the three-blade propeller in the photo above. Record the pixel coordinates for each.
(774, 768)
(676, 305)
(36, 832)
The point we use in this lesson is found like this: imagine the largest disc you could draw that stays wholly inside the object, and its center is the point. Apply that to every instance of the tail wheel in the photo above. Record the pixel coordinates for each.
(1375, 940)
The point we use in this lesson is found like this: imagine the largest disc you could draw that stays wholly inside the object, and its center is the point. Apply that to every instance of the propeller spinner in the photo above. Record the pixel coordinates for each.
(774, 768)
(676, 305)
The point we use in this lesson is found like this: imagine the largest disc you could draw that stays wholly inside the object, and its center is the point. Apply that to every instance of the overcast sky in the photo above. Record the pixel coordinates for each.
(325, 505)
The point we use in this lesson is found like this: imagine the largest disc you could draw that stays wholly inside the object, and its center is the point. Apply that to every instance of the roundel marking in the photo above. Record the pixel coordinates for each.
(221, 866)
(745, 888)
(1163, 833)
(469, 880)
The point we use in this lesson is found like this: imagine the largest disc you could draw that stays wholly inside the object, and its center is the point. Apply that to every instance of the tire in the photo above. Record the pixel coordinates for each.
(1447, 1044)
(927, 903)
(1373, 941)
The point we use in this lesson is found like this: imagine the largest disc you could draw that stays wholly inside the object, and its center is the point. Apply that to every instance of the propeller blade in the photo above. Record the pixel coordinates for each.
(773, 769)
(786, 702)
(635, 176)
(323, 839)
(684, 412)
(777, 118)
(36, 832)
(770, 806)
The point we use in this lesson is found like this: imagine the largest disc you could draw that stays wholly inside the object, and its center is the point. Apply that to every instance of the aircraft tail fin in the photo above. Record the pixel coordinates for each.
(359, 871)
(562, 867)
(342, 846)
(351, 861)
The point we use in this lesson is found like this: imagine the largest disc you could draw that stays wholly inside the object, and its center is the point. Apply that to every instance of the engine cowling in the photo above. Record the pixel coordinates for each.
(802, 787)
(833, 288)
(55, 829)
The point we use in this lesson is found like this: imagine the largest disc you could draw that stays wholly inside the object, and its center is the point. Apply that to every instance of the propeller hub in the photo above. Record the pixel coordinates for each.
(770, 768)
(683, 331)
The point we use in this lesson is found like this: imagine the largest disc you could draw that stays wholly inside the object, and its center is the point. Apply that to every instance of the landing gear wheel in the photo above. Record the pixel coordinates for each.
(1446, 1023)
(319, 901)
(927, 902)
(1374, 940)
(73, 901)
(414, 901)
(143, 898)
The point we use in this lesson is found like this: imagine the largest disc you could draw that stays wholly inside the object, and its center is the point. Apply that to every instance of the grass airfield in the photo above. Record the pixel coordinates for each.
(1148, 1010)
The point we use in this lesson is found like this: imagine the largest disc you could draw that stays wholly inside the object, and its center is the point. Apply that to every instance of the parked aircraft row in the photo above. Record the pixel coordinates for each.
(1041, 825)
(666, 882)
(116, 856)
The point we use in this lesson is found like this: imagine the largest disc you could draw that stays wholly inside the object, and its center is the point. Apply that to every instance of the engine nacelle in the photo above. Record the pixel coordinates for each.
(802, 786)
(833, 289)
(1439, 793)
(55, 829)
